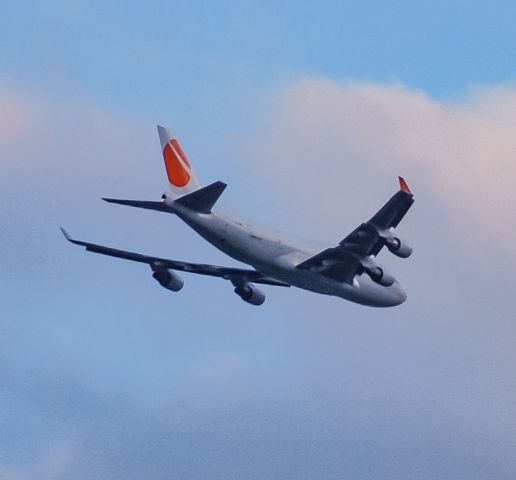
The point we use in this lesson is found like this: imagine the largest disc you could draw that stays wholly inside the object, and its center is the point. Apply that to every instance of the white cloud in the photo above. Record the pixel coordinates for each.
(334, 141)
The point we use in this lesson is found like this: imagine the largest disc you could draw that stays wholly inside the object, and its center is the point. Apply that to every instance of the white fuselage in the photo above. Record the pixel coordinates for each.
(273, 256)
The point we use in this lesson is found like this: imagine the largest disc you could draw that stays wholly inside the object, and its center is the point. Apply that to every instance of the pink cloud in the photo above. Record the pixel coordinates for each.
(66, 145)
(11, 116)
(337, 141)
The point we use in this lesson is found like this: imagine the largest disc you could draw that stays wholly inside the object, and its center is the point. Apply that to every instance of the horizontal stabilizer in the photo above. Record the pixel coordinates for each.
(202, 200)
(149, 205)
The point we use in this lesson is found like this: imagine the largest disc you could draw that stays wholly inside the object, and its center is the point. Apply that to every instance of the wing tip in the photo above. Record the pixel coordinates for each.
(404, 186)
(66, 234)
(70, 238)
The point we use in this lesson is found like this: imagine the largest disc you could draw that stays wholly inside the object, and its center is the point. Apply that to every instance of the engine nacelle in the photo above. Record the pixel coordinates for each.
(250, 293)
(168, 279)
(381, 277)
(398, 247)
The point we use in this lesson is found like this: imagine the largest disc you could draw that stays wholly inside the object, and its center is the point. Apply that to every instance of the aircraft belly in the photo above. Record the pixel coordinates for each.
(278, 260)
(232, 239)
(363, 290)
(269, 257)
(303, 279)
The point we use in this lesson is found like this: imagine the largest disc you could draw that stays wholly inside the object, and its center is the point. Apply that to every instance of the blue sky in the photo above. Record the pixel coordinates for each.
(105, 375)
(141, 57)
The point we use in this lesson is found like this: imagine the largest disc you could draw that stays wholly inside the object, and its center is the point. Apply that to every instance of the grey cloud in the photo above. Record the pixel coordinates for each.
(104, 375)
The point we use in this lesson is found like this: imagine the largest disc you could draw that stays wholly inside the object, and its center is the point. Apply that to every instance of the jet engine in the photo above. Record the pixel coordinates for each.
(168, 279)
(379, 276)
(250, 293)
(398, 247)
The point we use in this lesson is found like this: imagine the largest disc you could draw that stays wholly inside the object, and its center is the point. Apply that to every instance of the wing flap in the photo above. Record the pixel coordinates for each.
(350, 256)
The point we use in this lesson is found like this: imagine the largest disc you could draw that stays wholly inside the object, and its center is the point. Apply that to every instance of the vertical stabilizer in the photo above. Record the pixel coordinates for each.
(181, 176)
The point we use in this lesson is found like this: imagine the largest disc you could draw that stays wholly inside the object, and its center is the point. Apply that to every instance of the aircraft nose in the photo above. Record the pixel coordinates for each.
(402, 296)
(399, 294)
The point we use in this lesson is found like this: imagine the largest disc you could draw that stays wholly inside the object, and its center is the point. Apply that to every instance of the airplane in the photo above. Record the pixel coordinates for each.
(347, 270)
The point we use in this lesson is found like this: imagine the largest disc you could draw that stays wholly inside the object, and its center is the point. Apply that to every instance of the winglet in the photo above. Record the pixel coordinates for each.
(66, 234)
(71, 240)
(403, 186)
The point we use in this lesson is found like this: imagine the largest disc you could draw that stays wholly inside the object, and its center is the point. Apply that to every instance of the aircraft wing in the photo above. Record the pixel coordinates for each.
(352, 255)
(236, 275)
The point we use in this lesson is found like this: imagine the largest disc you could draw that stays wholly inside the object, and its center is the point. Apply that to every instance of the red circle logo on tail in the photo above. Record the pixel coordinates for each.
(176, 163)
